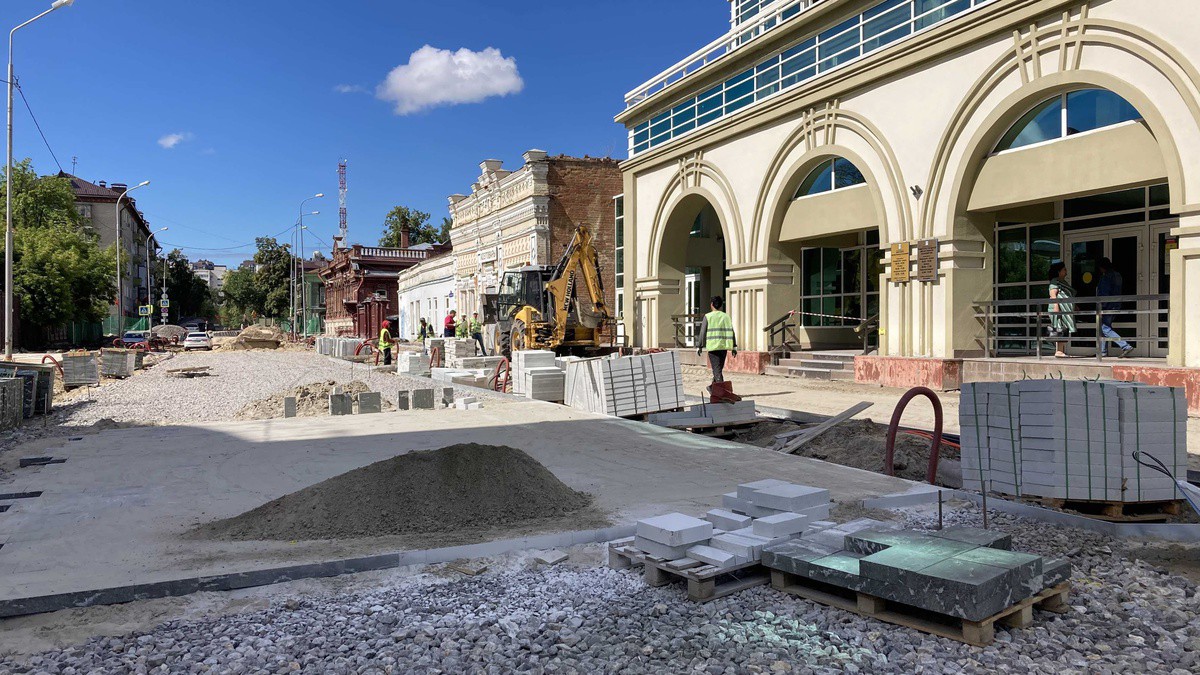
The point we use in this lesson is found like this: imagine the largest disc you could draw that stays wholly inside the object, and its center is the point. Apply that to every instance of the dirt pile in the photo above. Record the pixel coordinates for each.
(257, 337)
(170, 332)
(459, 487)
(856, 443)
(311, 400)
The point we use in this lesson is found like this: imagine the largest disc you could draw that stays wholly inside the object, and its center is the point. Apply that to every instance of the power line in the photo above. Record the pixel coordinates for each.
(36, 124)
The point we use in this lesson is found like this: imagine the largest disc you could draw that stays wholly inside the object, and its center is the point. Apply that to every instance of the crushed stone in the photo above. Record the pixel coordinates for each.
(311, 400)
(461, 486)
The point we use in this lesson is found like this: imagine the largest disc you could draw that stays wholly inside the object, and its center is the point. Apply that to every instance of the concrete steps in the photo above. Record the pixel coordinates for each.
(826, 366)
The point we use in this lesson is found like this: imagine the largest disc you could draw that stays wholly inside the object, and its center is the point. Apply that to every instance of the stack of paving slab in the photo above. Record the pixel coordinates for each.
(467, 378)
(337, 347)
(42, 400)
(81, 368)
(412, 363)
(707, 414)
(118, 362)
(625, 386)
(468, 403)
(529, 358)
(962, 572)
(726, 539)
(544, 383)
(436, 343)
(456, 350)
(12, 402)
(1072, 440)
(487, 363)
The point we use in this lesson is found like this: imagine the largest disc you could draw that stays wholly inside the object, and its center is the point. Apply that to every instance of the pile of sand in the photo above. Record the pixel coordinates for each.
(459, 487)
(170, 332)
(311, 400)
(257, 337)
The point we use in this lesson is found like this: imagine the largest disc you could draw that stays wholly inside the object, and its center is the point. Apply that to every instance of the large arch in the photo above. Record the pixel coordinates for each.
(1055, 56)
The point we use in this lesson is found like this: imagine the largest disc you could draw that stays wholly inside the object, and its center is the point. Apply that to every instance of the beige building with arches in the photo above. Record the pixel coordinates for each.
(802, 161)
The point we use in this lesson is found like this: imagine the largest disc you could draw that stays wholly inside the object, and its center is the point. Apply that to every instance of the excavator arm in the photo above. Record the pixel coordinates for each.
(579, 258)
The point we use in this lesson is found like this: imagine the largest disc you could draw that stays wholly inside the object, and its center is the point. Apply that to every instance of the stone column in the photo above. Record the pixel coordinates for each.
(760, 293)
(1183, 342)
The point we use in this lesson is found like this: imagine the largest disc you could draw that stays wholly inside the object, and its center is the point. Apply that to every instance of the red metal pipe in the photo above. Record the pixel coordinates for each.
(889, 461)
(55, 362)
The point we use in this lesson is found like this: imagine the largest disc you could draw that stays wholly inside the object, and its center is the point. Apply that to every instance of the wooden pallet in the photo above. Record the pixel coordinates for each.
(1115, 512)
(977, 633)
(704, 582)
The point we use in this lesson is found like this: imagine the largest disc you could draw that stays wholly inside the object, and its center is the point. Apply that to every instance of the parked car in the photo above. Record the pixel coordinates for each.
(132, 338)
(197, 341)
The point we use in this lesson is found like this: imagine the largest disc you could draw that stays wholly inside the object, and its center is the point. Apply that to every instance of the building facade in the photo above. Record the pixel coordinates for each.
(527, 217)
(97, 205)
(426, 291)
(921, 161)
(210, 273)
(360, 286)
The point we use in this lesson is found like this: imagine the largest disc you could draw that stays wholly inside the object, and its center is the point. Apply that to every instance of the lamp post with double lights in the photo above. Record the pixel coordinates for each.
(120, 295)
(150, 285)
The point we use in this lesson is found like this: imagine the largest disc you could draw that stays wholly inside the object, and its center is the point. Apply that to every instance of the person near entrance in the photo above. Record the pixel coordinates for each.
(476, 330)
(716, 336)
(1062, 314)
(385, 342)
(425, 330)
(450, 325)
(1110, 284)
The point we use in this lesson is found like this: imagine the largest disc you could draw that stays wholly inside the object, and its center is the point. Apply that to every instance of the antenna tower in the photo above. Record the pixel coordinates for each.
(342, 201)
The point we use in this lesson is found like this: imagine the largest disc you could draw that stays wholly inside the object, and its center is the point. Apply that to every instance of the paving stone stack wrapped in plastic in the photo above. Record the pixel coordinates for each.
(412, 363)
(1072, 440)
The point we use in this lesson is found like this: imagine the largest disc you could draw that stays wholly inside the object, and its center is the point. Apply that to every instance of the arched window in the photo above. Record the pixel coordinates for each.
(833, 174)
(1066, 115)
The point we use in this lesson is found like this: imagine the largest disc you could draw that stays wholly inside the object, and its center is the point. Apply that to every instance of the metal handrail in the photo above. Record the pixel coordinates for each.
(990, 318)
(694, 319)
(715, 50)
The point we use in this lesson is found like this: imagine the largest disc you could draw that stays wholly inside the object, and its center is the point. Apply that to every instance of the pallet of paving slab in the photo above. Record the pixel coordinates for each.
(975, 633)
(704, 582)
(1116, 512)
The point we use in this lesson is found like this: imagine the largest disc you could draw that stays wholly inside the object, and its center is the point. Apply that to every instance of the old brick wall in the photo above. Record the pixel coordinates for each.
(581, 192)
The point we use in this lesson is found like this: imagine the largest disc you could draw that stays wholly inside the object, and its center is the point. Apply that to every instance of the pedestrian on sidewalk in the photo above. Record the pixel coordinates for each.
(716, 336)
(1110, 284)
(385, 342)
(425, 331)
(1062, 314)
(450, 325)
(476, 330)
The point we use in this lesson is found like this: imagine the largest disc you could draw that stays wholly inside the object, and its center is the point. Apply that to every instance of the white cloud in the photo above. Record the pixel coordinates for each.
(169, 141)
(434, 77)
(350, 89)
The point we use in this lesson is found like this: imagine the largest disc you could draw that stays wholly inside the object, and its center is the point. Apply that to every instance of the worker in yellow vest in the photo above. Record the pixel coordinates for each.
(385, 342)
(716, 336)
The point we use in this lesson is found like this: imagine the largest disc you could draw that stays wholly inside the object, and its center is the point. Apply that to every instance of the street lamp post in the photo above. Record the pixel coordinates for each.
(120, 297)
(150, 285)
(300, 227)
(8, 229)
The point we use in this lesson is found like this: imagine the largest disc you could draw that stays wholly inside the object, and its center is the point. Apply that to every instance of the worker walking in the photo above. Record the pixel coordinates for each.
(449, 326)
(385, 342)
(424, 331)
(716, 336)
(476, 330)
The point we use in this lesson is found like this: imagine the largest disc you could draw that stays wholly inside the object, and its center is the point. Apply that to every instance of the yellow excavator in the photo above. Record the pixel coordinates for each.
(538, 306)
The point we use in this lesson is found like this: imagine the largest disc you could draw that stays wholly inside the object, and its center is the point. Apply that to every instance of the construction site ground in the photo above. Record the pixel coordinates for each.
(157, 456)
(832, 397)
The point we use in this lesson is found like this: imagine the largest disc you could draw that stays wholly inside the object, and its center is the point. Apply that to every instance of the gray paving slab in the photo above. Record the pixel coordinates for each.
(117, 509)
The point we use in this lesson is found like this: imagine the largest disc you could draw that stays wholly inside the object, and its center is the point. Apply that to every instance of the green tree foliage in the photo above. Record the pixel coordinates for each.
(265, 290)
(189, 295)
(421, 231)
(60, 273)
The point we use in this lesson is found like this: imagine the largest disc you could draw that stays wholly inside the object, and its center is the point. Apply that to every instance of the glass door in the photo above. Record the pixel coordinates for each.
(691, 304)
(1162, 242)
(1125, 247)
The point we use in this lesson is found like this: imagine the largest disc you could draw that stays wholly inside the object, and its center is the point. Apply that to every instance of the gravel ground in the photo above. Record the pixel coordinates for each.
(238, 378)
(1127, 616)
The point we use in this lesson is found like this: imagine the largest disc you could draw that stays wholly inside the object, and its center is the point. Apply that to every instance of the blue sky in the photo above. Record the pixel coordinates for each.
(249, 88)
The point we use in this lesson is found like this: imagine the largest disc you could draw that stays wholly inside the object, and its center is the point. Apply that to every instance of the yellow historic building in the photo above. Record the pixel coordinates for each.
(925, 163)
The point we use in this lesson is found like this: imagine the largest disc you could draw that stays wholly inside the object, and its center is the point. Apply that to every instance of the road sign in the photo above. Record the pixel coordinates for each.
(145, 310)
(164, 303)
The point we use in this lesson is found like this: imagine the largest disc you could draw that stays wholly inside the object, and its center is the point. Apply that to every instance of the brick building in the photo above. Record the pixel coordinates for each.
(527, 217)
(360, 286)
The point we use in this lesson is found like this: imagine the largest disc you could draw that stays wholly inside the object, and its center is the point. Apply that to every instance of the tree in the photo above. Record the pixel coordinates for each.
(263, 290)
(190, 295)
(60, 273)
(419, 229)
